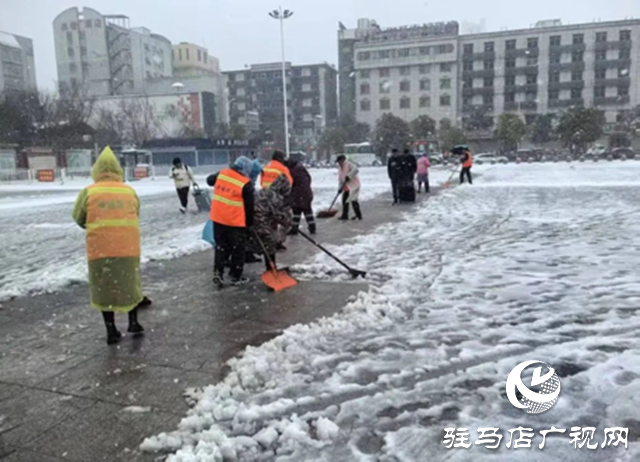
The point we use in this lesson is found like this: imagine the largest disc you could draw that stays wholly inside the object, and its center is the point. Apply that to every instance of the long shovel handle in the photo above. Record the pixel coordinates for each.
(354, 272)
(266, 254)
(336, 198)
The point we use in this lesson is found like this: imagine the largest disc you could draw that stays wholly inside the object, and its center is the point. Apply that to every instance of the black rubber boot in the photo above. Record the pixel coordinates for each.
(134, 325)
(312, 228)
(356, 209)
(113, 334)
(345, 212)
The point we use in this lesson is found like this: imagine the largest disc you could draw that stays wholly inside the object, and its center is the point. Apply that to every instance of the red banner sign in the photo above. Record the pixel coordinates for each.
(47, 175)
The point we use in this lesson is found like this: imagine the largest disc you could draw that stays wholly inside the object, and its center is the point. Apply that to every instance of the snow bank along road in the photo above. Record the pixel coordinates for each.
(534, 262)
(43, 249)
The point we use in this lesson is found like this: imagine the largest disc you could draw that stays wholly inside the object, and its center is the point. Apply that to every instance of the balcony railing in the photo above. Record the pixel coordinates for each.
(566, 102)
(526, 70)
(528, 87)
(610, 100)
(511, 106)
(522, 53)
(613, 64)
(569, 48)
(479, 74)
(577, 84)
(619, 82)
(617, 45)
(477, 107)
(480, 56)
(577, 66)
(528, 106)
(478, 91)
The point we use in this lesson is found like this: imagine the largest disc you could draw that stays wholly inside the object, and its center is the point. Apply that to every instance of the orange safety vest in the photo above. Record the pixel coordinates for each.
(469, 162)
(112, 225)
(227, 206)
(272, 171)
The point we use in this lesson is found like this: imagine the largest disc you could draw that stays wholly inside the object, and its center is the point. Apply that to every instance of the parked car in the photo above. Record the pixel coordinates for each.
(436, 158)
(618, 153)
(489, 158)
(598, 150)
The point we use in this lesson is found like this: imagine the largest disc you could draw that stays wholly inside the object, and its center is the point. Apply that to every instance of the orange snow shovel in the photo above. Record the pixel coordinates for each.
(275, 279)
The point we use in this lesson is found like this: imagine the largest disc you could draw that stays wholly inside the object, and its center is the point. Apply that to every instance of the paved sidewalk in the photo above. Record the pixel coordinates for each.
(66, 395)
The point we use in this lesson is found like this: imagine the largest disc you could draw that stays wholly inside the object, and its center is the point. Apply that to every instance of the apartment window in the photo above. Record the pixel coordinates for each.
(601, 37)
(601, 74)
(187, 51)
(554, 95)
(509, 97)
(445, 67)
(576, 76)
(467, 83)
(601, 55)
(97, 23)
(488, 81)
(625, 35)
(199, 56)
(510, 44)
(85, 68)
(70, 38)
(532, 43)
(384, 72)
(532, 79)
(424, 51)
(489, 46)
(468, 49)
(577, 56)
(403, 52)
(510, 81)
(623, 91)
(70, 52)
(576, 93)
(205, 56)
(623, 73)
(467, 66)
(385, 104)
(487, 100)
(364, 56)
(180, 54)
(443, 49)
(364, 74)
(445, 84)
(425, 101)
(532, 61)
(555, 58)
(83, 52)
(405, 70)
(405, 86)
(578, 39)
(384, 54)
(445, 100)
(424, 68)
(624, 54)
(365, 105)
(510, 63)
(74, 25)
(73, 68)
(555, 40)
(307, 103)
(64, 26)
(405, 103)
(425, 84)
(467, 100)
(489, 64)
(365, 89)
(385, 87)
(599, 92)
(83, 35)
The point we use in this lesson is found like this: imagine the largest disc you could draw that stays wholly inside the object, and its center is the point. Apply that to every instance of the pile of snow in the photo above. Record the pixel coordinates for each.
(483, 278)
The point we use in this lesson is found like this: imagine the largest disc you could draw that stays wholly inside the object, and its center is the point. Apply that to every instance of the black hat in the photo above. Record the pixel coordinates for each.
(340, 158)
(177, 161)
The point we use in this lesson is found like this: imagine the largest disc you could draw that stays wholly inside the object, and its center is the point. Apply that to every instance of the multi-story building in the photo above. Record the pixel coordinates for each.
(105, 56)
(549, 68)
(409, 71)
(312, 97)
(17, 65)
(191, 60)
(471, 79)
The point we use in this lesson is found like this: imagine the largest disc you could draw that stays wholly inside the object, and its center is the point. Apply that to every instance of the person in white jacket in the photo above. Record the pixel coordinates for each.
(349, 187)
(182, 176)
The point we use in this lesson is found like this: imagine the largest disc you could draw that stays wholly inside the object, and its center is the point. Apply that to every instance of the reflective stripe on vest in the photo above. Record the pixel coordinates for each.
(227, 206)
(272, 171)
(112, 221)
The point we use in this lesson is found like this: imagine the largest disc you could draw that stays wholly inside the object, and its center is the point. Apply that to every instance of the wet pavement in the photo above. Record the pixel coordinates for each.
(66, 395)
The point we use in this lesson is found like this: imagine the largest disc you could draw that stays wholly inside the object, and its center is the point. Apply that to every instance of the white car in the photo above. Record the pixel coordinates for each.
(489, 158)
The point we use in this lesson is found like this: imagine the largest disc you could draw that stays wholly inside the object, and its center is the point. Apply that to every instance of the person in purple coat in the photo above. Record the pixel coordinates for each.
(301, 197)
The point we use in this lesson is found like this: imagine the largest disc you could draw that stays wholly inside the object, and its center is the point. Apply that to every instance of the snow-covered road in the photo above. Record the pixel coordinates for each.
(534, 262)
(43, 249)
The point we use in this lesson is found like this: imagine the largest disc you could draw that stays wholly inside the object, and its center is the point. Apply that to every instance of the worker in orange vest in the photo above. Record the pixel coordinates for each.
(467, 163)
(109, 211)
(274, 169)
(231, 213)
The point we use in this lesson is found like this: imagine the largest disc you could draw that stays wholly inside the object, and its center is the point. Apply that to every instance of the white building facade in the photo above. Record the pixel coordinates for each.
(17, 65)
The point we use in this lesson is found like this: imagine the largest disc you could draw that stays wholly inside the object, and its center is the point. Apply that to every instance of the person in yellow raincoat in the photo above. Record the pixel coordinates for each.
(108, 210)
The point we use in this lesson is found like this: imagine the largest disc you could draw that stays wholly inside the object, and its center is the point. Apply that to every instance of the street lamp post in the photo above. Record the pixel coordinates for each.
(282, 15)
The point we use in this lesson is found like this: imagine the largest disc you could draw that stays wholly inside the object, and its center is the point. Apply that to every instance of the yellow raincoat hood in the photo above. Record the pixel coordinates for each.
(107, 167)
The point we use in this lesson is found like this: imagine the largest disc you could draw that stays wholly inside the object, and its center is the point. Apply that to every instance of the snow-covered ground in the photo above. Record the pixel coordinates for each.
(43, 249)
(534, 262)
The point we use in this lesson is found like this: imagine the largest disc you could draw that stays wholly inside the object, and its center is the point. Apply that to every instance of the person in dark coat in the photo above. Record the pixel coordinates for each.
(409, 167)
(301, 197)
(394, 170)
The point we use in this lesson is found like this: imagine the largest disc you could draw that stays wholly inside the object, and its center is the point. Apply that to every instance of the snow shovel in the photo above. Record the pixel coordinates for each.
(354, 272)
(274, 279)
(330, 212)
(447, 183)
